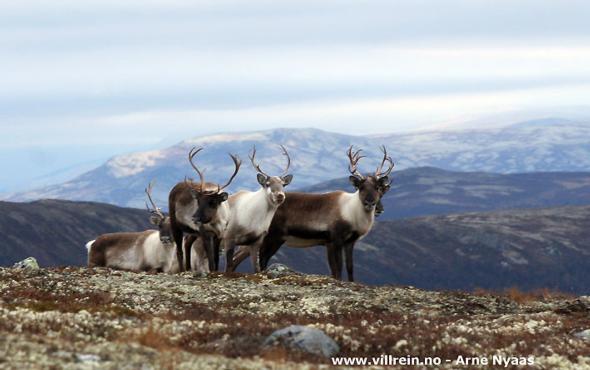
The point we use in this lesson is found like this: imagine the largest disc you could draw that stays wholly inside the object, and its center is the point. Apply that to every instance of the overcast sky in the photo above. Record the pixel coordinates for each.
(83, 80)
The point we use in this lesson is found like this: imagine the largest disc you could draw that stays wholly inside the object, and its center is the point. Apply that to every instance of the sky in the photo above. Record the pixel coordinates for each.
(81, 81)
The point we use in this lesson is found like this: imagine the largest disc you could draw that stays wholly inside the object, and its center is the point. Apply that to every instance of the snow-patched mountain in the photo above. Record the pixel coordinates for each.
(542, 145)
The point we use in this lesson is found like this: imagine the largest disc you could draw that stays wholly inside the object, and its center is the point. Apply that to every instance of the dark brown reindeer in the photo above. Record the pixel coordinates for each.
(150, 250)
(200, 209)
(336, 219)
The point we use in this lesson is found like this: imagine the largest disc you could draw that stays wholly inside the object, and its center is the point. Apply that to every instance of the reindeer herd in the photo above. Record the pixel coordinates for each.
(204, 219)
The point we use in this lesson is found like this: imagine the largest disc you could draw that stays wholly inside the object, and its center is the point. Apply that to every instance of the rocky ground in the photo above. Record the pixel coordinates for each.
(76, 318)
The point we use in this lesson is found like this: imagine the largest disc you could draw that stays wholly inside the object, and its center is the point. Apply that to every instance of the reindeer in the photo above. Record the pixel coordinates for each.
(199, 258)
(336, 219)
(252, 211)
(200, 209)
(150, 250)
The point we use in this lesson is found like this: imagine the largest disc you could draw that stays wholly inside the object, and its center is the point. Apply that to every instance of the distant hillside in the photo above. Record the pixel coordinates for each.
(543, 145)
(529, 249)
(430, 191)
(534, 248)
(55, 232)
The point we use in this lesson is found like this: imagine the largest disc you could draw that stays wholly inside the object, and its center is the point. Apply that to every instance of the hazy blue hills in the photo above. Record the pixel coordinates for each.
(536, 146)
(55, 231)
(431, 191)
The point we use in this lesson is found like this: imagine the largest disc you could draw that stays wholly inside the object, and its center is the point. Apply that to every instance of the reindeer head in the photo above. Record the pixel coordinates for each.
(209, 196)
(273, 185)
(157, 218)
(370, 187)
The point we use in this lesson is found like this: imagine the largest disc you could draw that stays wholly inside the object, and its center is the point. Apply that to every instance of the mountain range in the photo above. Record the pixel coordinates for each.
(428, 191)
(541, 145)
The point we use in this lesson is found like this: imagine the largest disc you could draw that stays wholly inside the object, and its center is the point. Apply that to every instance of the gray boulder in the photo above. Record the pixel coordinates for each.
(278, 269)
(29, 263)
(584, 335)
(305, 339)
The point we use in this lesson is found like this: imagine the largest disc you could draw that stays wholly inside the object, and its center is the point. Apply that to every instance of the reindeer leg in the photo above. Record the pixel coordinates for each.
(255, 256)
(339, 242)
(339, 251)
(228, 247)
(209, 248)
(332, 260)
(348, 248)
(269, 245)
(187, 257)
(241, 254)
(216, 243)
(200, 264)
(177, 235)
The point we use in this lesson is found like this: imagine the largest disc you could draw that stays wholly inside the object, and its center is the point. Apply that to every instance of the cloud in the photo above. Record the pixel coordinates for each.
(115, 72)
(356, 116)
(305, 73)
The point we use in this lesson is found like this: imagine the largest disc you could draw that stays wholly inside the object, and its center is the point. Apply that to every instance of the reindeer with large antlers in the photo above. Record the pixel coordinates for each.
(336, 219)
(201, 209)
(252, 211)
(150, 250)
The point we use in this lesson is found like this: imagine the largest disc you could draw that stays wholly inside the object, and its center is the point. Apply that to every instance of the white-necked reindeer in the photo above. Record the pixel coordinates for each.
(200, 209)
(150, 250)
(335, 219)
(252, 212)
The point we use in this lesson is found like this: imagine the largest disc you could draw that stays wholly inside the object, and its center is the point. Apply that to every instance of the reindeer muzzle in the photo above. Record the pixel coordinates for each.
(166, 239)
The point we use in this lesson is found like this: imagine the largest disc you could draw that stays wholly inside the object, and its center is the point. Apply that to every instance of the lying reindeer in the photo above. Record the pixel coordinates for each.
(336, 219)
(150, 250)
(200, 209)
(252, 212)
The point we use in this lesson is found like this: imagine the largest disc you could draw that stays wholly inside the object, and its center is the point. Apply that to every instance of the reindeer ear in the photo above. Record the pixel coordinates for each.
(355, 181)
(287, 179)
(194, 193)
(379, 209)
(155, 219)
(384, 184)
(222, 197)
(261, 179)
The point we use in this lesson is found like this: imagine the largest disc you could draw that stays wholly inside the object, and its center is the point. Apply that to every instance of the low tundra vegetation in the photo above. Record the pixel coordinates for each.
(170, 320)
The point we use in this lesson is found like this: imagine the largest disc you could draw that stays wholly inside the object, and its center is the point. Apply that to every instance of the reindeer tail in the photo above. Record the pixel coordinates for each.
(89, 245)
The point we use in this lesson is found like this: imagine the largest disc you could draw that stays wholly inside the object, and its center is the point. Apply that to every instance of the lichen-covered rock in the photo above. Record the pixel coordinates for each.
(278, 269)
(584, 334)
(305, 339)
(28, 263)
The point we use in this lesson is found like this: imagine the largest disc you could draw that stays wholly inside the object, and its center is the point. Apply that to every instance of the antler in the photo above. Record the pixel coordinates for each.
(286, 154)
(156, 210)
(194, 151)
(354, 157)
(386, 158)
(237, 164)
(256, 166)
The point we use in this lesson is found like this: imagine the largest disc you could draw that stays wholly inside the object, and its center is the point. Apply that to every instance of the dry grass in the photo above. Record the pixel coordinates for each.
(523, 297)
(153, 339)
(40, 300)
